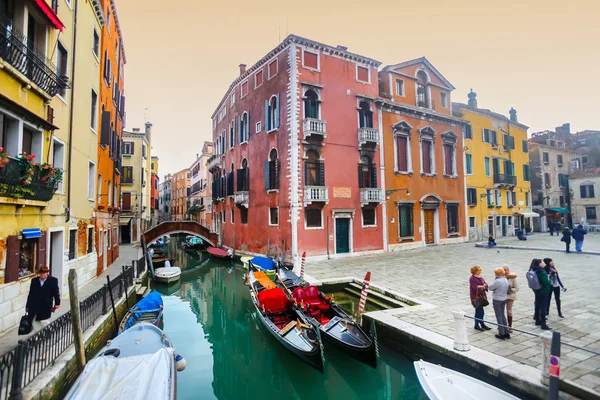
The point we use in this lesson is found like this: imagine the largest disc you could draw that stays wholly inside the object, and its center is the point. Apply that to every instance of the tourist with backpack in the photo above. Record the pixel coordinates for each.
(538, 281)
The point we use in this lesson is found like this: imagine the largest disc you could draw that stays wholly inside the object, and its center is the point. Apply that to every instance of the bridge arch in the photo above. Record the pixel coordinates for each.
(189, 227)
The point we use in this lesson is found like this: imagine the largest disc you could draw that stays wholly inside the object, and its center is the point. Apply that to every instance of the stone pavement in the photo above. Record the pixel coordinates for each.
(591, 243)
(127, 253)
(439, 276)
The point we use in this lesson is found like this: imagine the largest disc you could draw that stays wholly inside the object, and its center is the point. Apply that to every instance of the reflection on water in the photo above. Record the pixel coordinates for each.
(210, 319)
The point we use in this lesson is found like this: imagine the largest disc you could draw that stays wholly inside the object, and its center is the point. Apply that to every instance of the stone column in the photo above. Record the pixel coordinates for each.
(546, 339)
(461, 340)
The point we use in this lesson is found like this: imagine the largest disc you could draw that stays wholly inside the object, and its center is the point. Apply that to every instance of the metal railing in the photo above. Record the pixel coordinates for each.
(11, 183)
(140, 266)
(503, 179)
(21, 365)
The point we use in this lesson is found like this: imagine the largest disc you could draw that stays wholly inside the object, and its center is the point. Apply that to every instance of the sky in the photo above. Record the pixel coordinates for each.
(541, 57)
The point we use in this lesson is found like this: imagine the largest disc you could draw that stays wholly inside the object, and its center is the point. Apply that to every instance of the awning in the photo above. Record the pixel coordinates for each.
(31, 233)
(47, 10)
(527, 214)
(124, 220)
(559, 210)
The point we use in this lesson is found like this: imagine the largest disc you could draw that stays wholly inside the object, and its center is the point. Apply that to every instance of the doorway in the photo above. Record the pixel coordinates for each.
(504, 226)
(429, 226)
(57, 240)
(491, 228)
(342, 235)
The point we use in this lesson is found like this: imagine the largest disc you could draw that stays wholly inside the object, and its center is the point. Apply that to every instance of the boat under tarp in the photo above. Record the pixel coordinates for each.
(148, 309)
(265, 265)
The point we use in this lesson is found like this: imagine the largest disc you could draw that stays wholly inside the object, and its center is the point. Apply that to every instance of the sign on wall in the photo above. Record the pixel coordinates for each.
(342, 192)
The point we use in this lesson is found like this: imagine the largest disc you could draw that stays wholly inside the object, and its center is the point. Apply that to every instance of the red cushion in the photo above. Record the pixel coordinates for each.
(299, 294)
(312, 293)
(273, 300)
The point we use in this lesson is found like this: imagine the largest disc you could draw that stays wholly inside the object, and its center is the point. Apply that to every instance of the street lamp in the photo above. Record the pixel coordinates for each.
(389, 192)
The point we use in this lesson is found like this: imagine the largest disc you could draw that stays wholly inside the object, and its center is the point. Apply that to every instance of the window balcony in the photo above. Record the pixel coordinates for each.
(315, 127)
(241, 199)
(214, 163)
(316, 194)
(504, 180)
(371, 195)
(368, 135)
(28, 60)
(11, 184)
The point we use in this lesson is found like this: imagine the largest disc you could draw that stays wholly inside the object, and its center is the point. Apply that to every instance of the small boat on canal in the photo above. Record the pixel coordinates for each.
(441, 383)
(219, 253)
(167, 274)
(193, 243)
(284, 320)
(336, 325)
(138, 364)
(264, 264)
(149, 309)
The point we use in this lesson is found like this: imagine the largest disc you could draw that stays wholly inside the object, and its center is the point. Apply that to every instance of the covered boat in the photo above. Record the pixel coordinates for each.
(138, 364)
(193, 243)
(441, 383)
(167, 274)
(219, 253)
(284, 321)
(264, 264)
(149, 309)
(336, 325)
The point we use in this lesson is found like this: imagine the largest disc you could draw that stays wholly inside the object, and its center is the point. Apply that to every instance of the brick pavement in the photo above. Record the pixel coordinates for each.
(439, 276)
(544, 240)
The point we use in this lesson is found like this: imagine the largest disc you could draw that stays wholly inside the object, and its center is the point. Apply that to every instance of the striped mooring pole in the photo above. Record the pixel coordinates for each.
(302, 265)
(363, 296)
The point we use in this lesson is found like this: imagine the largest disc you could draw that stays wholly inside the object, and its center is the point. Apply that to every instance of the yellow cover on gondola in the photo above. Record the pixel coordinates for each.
(264, 280)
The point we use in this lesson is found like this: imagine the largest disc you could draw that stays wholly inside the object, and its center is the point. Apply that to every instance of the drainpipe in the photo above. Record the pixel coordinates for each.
(71, 107)
(384, 218)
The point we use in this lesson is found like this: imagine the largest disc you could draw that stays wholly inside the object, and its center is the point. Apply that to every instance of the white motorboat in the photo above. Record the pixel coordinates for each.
(441, 383)
(167, 274)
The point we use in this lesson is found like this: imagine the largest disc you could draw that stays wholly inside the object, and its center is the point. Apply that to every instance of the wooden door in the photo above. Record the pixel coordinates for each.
(342, 235)
(429, 227)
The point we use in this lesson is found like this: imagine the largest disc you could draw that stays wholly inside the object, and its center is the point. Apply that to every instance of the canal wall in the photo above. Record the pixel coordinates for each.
(56, 380)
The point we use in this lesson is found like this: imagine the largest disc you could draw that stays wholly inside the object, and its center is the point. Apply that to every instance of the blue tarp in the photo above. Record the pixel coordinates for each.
(263, 263)
(195, 240)
(152, 301)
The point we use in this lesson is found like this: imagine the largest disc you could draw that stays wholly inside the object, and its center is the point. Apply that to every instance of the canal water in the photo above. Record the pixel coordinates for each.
(209, 317)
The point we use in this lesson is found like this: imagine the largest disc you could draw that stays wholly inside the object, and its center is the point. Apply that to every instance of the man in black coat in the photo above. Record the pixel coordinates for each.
(43, 299)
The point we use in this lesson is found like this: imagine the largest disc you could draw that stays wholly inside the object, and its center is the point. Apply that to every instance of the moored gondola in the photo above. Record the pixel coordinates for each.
(149, 309)
(336, 325)
(284, 321)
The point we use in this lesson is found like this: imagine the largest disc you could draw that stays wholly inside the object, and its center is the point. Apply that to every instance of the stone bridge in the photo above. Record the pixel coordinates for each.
(189, 227)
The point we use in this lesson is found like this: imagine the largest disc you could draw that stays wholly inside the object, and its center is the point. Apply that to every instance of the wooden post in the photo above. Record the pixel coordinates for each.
(126, 285)
(112, 302)
(76, 320)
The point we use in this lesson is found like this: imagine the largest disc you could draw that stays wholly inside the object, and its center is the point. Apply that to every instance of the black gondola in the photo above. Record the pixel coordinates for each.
(284, 320)
(337, 326)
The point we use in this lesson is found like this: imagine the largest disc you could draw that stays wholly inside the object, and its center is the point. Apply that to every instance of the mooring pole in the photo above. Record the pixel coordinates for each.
(112, 301)
(126, 285)
(76, 320)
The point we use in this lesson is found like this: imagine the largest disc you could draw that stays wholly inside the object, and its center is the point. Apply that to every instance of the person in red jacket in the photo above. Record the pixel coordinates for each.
(478, 286)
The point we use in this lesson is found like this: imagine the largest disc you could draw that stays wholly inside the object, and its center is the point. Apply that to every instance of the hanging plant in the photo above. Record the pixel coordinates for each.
(28, 167)
(50, 175)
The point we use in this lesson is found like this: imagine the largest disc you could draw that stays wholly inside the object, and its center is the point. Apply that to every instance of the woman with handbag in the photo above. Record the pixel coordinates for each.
(477, 288)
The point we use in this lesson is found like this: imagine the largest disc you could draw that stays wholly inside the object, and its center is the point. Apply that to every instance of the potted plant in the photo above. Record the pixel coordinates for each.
(3, 157)
(27, 167)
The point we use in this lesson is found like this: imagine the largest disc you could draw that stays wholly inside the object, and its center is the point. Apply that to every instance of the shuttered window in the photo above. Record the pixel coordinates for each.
(426, 148)
(402, 155)
(405, 220)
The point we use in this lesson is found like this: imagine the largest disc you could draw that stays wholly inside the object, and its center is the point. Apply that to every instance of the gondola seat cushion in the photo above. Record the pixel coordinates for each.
(299, 295)
(273, 300)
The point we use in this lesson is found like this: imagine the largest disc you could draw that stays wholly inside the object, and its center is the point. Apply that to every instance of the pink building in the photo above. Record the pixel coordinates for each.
(297, 165)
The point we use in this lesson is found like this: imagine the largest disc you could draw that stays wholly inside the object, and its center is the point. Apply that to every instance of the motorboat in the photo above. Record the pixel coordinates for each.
(193, 243)
(167, 274)
(149, 309)
(219, 253)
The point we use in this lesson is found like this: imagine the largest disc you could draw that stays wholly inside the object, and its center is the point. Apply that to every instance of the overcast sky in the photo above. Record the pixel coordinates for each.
(542, 58)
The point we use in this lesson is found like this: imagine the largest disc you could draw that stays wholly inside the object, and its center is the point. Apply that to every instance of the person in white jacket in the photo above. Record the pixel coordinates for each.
(499, 289)
(513, 288)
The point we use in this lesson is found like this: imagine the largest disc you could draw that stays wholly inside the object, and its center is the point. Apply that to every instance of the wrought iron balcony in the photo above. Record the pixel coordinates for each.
(504, 180)
(241, 198)
(368, 135)
(11, 184)
(316, 194)
(371, 195)
(29, 60)
(315, 127)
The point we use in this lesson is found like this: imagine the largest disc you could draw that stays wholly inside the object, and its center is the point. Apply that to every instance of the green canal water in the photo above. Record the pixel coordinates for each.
(209, 317)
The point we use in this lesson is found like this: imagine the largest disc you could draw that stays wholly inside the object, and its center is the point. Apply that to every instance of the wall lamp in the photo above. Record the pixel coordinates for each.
(388, 192)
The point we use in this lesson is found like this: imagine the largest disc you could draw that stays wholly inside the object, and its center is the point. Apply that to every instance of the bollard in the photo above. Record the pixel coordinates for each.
(546, 338)
(461, 340)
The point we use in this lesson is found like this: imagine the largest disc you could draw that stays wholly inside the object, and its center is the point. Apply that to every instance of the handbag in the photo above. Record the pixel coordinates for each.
(25, 325)
(480, 301)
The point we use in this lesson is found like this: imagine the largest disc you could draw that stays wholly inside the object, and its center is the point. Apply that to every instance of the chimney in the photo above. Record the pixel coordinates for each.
(242, 69)
(148, 131)
(197, 156)
(343, 48)
(136, 130)
(565, 128)
(472, 99)
(513, 115)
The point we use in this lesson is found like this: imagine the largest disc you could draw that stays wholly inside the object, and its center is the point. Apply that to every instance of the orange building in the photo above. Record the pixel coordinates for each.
(180, 185)
(112, 122)
(423, 157)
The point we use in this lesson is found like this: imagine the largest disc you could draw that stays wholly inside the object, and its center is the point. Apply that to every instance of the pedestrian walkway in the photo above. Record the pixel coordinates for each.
(439, 275)
(127, 253)
(591, 243)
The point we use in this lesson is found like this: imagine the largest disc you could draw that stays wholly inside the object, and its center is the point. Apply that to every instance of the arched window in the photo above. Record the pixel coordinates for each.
(422, 90)
(243, 177)
(311, 104)
(365, 115)
(272, 171)
(314, 171)
(367, 174)
(272, 113)
(244, 163)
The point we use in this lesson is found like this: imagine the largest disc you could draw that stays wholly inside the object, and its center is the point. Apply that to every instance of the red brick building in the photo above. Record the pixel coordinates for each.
(297, 160)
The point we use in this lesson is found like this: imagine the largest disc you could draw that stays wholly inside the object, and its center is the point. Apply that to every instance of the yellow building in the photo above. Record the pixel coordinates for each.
(497, 171)
(154, 165)
(45, 218)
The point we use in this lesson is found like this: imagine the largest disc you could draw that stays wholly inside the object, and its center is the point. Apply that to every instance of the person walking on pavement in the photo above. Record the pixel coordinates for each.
(513, 288)
(43, 299)
(578, 235)
(557, 228)
(499, 290)
(541, 294)
(551, 228)
(566, 237)
(556, 286)
(478, 287)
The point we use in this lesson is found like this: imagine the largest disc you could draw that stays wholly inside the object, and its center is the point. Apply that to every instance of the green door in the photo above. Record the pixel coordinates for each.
(342, 235)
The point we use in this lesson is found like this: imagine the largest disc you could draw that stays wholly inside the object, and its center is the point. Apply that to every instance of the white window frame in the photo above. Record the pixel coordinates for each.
(88, 238)
(466, 163)
(76, 247)
(498, 197)
(509, 198)
(447, 141)
(444, 99)
(429, 138)
(99, 188)
(475, 222)
(247, 83)
(401, 93)
(277, 224)
(94, 126)
(92, 183)
(258, 127)
(263, 78)
(489, 197)
(276, 61)
(96, 54)
(59, 43)
(490, 167)
(232, 98)
(312, 228)
(318, 54)
(368, 74)
(362, 221)
(406, 132)
(61, 185)
(100, 246)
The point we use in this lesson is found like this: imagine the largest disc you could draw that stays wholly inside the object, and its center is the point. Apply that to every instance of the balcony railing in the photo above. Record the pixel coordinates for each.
(368, 135)
(214, 162)
(315, 127)
(11, 184)
(28, 60)
(504, 180)
(316, 193)
(241, 198)
(371, 195)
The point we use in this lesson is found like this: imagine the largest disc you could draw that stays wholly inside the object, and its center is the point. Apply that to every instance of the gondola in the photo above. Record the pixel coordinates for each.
(264, 264)
(284, 321)
(149, 309)
(336, 325)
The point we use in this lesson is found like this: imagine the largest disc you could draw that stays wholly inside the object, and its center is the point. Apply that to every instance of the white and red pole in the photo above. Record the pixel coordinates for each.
(302, 265)
(363, 296)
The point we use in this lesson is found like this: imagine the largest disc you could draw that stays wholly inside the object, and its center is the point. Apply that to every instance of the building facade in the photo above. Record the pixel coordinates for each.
(424, 178)
(180, 186)
(281, 132)
(496, 153)
(164, 199)
(136, 182)
(585, 204)
(155, 181)
(111, 102)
